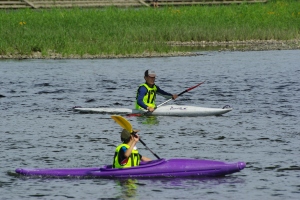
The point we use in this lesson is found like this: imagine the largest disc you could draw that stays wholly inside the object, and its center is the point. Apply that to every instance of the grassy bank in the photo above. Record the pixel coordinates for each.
(115, 31)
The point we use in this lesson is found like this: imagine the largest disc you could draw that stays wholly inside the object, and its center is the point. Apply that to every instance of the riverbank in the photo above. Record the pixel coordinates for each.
(250, 45)
(148, 32)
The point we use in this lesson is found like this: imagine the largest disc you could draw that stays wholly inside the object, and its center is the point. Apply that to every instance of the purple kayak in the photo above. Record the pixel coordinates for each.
(153, 169)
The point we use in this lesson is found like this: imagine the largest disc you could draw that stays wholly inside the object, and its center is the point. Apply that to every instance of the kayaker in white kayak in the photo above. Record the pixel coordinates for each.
(146, 93)
(126, 154)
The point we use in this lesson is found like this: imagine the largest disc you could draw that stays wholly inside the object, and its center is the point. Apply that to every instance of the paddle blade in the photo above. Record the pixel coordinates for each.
(124, 123)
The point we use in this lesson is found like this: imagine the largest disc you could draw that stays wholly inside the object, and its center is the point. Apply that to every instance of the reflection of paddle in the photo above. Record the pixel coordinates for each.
(145, 113)
(124, 123)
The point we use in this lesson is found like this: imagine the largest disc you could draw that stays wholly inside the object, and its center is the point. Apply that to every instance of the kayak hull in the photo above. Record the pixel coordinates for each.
(153, 169)
(168, 110)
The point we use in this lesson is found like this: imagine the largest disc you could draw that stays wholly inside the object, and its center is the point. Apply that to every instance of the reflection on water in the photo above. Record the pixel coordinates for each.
(148, 120)
(196, 181)
(133, 188)
(128, 188)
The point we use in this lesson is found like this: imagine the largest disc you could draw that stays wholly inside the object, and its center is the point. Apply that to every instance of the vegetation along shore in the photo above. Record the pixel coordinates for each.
(146, 32)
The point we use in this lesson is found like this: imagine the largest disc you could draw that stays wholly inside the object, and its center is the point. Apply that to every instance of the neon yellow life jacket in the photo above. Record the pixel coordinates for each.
(133, 159)
(149, 98)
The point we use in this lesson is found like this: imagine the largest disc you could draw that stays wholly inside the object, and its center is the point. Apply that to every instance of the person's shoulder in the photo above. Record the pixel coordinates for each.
(142, 88)
(142, 85)
(123, 148)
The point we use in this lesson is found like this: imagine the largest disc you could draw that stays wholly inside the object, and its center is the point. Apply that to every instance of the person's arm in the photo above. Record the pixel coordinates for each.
(166, 94)
(132, 145)
(122, 159)
(141, 93)
(145, 159)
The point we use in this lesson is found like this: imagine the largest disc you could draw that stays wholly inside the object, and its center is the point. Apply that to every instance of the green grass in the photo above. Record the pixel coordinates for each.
(116, 31)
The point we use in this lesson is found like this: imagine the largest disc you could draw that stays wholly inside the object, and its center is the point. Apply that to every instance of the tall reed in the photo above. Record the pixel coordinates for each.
(116, 31)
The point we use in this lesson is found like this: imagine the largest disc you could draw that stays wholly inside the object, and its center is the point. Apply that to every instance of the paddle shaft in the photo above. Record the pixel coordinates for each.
(179, 94)
(147, 147)
(190, 88)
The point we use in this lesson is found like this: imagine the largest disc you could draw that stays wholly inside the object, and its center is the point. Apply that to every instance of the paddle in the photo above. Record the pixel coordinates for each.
(145, 113)
(124, 123)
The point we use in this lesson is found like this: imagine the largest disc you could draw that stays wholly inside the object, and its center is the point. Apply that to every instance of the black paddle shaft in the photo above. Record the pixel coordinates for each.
(147, 147)
(150, 149)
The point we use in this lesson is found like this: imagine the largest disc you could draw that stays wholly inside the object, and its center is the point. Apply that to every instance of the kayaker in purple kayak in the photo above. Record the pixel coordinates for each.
(176, 167)
(126, 154)
(146, 93)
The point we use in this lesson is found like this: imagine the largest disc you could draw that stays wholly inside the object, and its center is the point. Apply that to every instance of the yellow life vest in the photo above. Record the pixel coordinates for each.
(133, 159)
(149, 98)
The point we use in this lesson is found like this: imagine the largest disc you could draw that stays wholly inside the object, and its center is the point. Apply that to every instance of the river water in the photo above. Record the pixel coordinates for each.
(39, 129)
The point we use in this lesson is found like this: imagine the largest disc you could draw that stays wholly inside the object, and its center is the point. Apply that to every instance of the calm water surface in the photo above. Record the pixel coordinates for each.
(40, 130)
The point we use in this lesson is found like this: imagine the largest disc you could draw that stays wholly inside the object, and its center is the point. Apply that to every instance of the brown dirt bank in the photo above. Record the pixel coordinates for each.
(249, 45)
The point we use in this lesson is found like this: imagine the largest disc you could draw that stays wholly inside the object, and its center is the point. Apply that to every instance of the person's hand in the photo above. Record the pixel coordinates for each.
(134, 132)
(136, 137)
(174, 96)
(150, 109)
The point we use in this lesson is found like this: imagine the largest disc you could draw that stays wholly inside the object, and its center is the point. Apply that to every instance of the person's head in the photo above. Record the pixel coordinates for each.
(150, 77)
(125, 136)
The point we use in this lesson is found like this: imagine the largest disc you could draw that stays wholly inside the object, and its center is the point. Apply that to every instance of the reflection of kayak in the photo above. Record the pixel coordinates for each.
(168, 110)
(155, 168)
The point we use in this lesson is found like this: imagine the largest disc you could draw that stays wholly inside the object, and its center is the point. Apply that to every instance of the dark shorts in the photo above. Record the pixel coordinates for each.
(155, 0)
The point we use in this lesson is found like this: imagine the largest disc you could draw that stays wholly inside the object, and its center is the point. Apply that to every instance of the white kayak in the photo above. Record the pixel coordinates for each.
(168, 110)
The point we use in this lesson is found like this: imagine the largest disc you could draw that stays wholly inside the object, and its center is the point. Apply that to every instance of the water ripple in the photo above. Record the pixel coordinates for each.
(40, 130)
